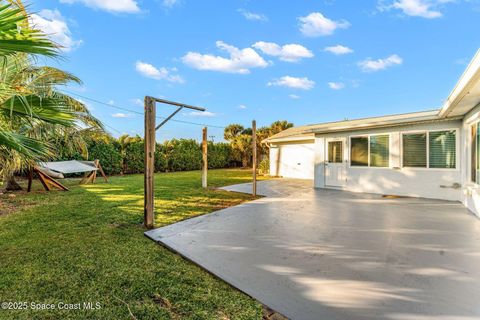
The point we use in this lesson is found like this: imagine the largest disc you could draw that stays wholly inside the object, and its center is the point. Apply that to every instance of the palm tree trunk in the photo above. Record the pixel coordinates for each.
(12, 184)
(245, 160)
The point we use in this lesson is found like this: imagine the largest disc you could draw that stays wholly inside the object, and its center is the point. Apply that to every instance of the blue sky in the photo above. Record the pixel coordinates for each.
(306, 61)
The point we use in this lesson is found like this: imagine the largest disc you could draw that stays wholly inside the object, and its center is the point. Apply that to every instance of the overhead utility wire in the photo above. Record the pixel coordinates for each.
(141, 113)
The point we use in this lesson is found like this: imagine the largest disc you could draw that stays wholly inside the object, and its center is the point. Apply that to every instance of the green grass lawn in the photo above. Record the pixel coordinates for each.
(87, 245)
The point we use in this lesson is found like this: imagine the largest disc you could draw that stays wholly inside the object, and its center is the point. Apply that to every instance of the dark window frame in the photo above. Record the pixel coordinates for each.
(369, 160)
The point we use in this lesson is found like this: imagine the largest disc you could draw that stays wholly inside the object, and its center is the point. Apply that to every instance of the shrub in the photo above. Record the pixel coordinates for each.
(134, 159)
(108, 154)
(183, 155)
(264, 167)
(160, 158)
(173, 155)
(219, 155)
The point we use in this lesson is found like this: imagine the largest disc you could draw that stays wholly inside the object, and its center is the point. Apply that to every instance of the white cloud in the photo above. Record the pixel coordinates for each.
(316, 24)
(138, 102)
(288, 52)
(122, 115)
(239, 60)
(253, 16)
(242, 106)
(117, 6)
(111, 102)
(338, 50)
(293, 82)
(294, 96)
(336, 85)
(52, 23)
(429, 9)
(170, 3)
(150, 71)
(206, 114)
(370, 65)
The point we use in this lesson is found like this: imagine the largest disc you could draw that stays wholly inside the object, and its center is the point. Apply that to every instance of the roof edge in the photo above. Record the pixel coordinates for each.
(468, 78)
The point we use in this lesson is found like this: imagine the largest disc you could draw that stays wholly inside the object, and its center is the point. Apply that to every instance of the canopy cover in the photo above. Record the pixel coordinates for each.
(72, 166)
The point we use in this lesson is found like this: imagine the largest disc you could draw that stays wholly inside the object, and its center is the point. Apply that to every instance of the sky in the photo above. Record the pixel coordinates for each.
(305, 61)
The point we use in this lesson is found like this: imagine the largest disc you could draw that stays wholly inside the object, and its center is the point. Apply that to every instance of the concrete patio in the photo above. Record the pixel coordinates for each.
(326, 254)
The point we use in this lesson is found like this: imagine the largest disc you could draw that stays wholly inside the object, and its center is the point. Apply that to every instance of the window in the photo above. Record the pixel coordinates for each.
(475, 153)
(435, 149)
(415, 150)
(335, 151)
(380, 151)
(442, 149)
(373, 151)
(359, 151)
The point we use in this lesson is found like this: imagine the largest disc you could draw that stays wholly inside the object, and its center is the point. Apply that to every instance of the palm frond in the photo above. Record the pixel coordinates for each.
(46, 109)
(16, 36)
(30, 148)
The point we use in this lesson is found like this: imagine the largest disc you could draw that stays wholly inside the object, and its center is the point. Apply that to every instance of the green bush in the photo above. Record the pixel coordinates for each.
(183, 155)
(134, 159)
(160, 158)
(108, 154)
(264, 167)
(219, 155)
(172, 155)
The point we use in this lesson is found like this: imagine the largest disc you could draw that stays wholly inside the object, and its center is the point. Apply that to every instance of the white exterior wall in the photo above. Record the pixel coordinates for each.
(471, 190)
(293, 159)
(416, 182)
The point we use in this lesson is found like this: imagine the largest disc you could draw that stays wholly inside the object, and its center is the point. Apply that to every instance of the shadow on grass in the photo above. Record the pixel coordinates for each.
(87, 245)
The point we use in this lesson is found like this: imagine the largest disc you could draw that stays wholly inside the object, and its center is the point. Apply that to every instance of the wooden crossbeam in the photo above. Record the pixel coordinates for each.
(47, 181)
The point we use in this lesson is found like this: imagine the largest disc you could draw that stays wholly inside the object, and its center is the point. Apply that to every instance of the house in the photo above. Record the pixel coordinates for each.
(431, 154)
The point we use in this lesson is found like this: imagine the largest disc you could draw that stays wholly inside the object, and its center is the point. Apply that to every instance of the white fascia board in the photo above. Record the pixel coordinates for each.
(469, 78)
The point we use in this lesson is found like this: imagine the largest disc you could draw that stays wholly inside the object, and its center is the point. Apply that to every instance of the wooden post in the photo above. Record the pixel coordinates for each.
(254, 160)
(149, 197)
(205, 158)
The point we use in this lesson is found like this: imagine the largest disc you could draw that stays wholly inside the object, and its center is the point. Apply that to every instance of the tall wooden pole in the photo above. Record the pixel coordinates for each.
(205, 158)
(149, 162)
(254, 164)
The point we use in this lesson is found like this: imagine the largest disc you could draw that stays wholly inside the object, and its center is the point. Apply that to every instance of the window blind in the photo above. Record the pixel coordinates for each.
(380, 151)
(415, 150)
(442, 153)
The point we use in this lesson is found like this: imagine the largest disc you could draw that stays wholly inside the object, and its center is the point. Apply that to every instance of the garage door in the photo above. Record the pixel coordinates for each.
(296, 161)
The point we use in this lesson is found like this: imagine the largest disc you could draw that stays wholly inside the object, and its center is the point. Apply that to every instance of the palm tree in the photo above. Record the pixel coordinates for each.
(232, 130)
(36, 111)
(243, 144)
(32, 110)
(16, 37)
(279, 126)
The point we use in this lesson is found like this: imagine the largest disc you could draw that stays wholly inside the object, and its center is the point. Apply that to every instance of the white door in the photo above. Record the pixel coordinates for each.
(335, 163)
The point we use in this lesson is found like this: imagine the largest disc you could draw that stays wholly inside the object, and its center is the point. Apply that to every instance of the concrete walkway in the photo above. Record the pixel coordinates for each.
(325, 254)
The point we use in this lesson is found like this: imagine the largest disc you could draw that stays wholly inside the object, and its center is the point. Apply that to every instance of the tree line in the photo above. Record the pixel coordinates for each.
(125, 155)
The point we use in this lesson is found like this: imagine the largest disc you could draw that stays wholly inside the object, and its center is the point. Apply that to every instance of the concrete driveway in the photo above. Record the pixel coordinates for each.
(325, 254)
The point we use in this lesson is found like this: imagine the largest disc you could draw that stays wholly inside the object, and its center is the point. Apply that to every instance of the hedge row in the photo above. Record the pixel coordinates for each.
(173, 155)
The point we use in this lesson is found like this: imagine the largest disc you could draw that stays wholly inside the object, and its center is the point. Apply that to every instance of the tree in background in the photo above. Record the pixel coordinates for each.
(232, 131)
(124, 141)
(240, 139)
(279, 126)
